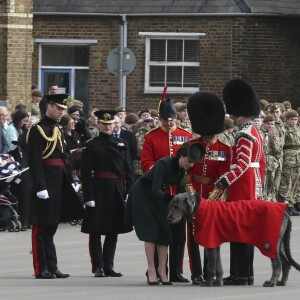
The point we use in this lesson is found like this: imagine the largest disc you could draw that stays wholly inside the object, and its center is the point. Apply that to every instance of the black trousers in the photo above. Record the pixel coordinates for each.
(43, 248)
(241, 260)
(102, 257)
(194, 253)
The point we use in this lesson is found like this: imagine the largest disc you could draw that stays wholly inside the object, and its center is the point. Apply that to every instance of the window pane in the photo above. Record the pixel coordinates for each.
(157, 76)
(191, 77)
(175, 50)
(157, 50)
(191, 50)
(65, 55)
(174, 76)
(82, 88)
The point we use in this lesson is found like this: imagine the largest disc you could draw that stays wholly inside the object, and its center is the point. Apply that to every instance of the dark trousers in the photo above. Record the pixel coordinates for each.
(176, 250)
(241, 260)
(102, 257)
(194, 253)
(43, 248)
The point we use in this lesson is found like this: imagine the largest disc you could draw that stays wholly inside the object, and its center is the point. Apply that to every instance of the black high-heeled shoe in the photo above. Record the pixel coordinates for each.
(165, 282)
(151, 282)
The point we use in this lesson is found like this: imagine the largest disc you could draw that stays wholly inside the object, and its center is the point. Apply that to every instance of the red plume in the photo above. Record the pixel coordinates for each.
(163, 96)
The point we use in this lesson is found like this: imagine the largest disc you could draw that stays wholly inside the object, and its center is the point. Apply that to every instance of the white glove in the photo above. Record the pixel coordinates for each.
(43, 194)
(90, 203)
(76, 187)
(126, 198)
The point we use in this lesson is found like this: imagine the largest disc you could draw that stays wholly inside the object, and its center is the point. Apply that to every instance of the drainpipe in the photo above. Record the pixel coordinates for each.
(122, 78)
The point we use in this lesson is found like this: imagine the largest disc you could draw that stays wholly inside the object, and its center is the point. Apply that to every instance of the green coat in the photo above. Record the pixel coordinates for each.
(147, 206)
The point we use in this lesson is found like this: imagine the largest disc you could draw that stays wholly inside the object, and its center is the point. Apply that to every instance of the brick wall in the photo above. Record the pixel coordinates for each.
(16, 52)
(263, 50)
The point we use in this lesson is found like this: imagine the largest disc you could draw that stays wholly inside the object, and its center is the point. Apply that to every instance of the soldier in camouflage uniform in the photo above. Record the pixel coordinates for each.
(183, 118)
(291, 163)
(227, 136)
(276, 111)
(92, 124)
(272, 151)
(145, 123)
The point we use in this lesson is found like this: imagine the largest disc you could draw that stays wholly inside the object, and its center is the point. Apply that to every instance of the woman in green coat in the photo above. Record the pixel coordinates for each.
(148, 203)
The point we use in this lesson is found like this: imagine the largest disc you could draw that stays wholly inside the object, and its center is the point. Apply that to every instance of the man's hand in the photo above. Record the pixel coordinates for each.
(43, 194)
(90, 203)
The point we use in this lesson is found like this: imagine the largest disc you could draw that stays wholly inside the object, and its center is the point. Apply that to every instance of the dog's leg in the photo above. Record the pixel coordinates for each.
(219, 268)
(276, 270)
(286, 266)
(211, 255)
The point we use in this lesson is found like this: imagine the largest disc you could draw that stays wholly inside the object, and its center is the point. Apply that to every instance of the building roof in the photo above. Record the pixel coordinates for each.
(165, 7)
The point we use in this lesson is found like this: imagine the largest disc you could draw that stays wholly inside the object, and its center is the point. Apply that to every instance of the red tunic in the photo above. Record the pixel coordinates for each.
(214, 164)
(248, 166)
(256, 222)
(159, 143)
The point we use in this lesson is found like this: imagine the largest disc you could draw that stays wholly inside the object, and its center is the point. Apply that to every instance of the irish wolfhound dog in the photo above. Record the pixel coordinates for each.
(185, 205)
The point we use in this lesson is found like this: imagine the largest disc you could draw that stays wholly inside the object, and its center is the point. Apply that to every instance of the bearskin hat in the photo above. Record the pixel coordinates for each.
(206, 113)
(240, 99)
(167, 110)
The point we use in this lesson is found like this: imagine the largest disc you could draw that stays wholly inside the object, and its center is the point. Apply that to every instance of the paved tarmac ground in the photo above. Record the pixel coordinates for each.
(17, 281)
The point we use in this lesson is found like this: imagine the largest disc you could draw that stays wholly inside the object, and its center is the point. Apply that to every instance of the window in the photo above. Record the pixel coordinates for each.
(172, 60)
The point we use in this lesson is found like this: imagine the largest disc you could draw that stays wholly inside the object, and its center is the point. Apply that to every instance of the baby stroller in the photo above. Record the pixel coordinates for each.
(9, 173)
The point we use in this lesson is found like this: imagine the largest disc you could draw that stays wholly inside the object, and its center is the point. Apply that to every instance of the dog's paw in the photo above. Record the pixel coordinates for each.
(218, 282)
(269, 283)
(281, 283)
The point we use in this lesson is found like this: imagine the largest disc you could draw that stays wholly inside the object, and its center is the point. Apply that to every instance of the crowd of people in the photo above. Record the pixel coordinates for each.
(131, 164)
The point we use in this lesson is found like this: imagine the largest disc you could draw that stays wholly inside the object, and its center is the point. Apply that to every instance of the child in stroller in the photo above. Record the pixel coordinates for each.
(9, 174)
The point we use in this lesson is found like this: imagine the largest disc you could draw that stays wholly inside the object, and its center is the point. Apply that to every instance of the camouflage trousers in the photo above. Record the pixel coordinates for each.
(289, 185)
(270, 190)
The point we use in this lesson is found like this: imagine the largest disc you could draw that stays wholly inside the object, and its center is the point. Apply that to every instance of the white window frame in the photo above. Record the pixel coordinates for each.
(164, 36)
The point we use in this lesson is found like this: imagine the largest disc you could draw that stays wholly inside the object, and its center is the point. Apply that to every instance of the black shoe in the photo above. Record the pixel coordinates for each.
(241, 281)
(45, 275)
(250, 280)
(112, 273)
(198, 280)
(297, 206)
(99, 272)
(151, 282)
(59, 274)
(292, 211)
(178, 278)
(230, 280)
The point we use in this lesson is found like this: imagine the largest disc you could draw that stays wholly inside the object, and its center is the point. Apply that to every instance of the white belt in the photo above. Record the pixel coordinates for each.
(251, 165)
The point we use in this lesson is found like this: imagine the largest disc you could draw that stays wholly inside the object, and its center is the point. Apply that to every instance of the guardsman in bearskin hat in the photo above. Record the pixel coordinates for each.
(53, 197)
(246, 176)
(162, 142)
(206, 113)
(106, 177)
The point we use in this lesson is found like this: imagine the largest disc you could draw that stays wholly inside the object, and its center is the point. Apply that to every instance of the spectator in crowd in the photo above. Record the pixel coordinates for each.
(155, 115)
(272, 151)
(264, 105)
(287, 106)
(72, 136)
(183, 117)
(227, 136)
(257, 122)
(290, 177)
(4, 147)
(34, 105)
(130, 120)
(121, 113)
(128, 137)
(92, 124)
(3, 118)
(19, 120)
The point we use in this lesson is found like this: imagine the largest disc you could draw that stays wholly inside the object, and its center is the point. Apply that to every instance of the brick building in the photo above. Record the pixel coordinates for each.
(189, 45)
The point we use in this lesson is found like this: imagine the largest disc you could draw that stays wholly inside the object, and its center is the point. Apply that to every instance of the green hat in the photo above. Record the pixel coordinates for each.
(274, 106)
(263, 103)
(291, 114)
(131, 118)
(287, 104)
(268, 118)
(181, 107)
(120, 109)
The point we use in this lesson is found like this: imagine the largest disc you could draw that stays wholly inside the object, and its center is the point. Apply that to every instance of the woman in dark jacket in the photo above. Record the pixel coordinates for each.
(148, 204)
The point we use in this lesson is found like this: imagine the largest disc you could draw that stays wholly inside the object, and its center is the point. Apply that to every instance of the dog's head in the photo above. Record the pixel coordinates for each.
(182, 206)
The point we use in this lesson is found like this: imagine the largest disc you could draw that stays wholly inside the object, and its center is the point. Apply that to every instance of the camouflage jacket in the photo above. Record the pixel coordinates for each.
(291, 148)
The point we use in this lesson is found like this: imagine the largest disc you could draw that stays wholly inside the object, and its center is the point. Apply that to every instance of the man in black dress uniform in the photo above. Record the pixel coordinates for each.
(53, 197)
(106, 178)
